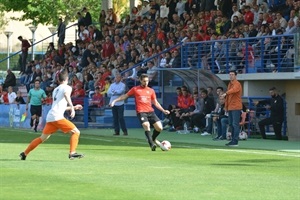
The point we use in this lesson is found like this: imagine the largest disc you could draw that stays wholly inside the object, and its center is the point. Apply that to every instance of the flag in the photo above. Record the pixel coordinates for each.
(23, 116)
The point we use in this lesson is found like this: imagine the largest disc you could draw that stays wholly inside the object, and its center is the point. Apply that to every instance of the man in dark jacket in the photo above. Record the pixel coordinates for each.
(10, 79)
(276, 117)
(87, 18)
(61, 31)
(24, 49)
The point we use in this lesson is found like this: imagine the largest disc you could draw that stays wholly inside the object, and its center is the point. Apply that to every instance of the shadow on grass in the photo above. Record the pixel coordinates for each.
(232, 164)
(260, 160)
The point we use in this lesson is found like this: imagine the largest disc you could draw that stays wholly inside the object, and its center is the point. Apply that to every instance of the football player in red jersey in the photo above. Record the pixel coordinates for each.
(144, 98)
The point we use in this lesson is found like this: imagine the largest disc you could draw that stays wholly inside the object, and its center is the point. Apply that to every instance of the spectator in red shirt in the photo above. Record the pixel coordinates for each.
(78, 95)
(108, 48)
(248, 16)
(75, 81)
(4, 97)
(97, 100)
(144, 98)
(185, 101)
(160, 35)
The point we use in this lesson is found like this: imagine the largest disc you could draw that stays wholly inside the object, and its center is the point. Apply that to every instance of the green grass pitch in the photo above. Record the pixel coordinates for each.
(121, 168)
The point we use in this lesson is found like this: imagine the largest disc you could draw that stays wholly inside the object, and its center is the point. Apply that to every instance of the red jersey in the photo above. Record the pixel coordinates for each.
(185, 101)
(5, 98)
(97, 100)
(143, 98)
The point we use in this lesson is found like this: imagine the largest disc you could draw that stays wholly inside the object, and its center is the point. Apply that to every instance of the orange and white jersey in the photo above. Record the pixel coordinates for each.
(59, 104)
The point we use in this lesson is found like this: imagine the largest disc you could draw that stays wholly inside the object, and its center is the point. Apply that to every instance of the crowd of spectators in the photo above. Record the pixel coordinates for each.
(100, 53)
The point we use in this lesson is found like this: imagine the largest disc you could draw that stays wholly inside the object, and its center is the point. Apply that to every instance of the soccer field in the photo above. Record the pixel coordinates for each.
(119, 167)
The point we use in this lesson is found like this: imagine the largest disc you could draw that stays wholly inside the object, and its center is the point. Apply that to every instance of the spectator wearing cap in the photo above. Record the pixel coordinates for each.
(87, 18)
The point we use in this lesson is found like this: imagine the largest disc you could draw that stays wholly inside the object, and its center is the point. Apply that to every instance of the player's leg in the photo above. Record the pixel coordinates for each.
(262, 124)
(32, 112)
(37, 117)
(32, 119)
(68, 127)
(157, 129)
(143, 117)
(48, 130)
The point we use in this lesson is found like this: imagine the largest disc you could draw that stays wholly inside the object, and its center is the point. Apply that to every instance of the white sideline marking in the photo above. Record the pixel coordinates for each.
(261, 152)
(276, 153)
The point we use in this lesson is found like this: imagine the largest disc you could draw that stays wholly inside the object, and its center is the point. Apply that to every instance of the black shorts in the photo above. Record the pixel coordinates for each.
(148, 117)
(36, 110)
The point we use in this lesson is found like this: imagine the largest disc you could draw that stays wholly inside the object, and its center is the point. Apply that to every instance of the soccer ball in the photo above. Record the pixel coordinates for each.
(243, 135)
(166, 145)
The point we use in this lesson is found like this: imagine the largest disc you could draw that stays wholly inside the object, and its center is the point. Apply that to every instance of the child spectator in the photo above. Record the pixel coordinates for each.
(4, 97)
(97, 100)
(19, 99)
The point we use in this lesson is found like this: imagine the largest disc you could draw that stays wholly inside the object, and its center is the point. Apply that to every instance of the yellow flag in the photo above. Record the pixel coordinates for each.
(23, 116)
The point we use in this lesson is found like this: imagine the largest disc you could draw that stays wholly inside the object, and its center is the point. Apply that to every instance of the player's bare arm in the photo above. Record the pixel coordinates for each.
(123, 97)
(28, 100)
(77, 107)
(67, 96)
(159, 107)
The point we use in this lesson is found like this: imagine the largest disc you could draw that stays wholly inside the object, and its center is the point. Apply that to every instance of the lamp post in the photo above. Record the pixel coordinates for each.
(52, 29)
(33, 29)
(8, 34)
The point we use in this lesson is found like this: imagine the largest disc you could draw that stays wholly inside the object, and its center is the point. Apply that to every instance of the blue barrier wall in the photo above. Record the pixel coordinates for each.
(11, 115)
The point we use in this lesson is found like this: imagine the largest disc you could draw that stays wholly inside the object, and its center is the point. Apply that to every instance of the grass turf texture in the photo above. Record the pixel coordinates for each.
(118, 167)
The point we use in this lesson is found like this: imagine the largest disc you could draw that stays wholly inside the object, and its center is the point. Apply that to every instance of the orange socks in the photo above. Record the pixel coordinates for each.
(34, 143)
(74, 142)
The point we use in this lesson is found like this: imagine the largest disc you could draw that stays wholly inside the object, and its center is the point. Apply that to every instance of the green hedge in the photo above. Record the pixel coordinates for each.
(13, 61)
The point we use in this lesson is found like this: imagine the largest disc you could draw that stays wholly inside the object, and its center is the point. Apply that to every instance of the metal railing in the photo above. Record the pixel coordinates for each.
(34, 44)
(247, 55)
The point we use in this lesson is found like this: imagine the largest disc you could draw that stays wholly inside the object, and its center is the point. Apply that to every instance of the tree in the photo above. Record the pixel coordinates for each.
(48, 11)
(121, 8)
